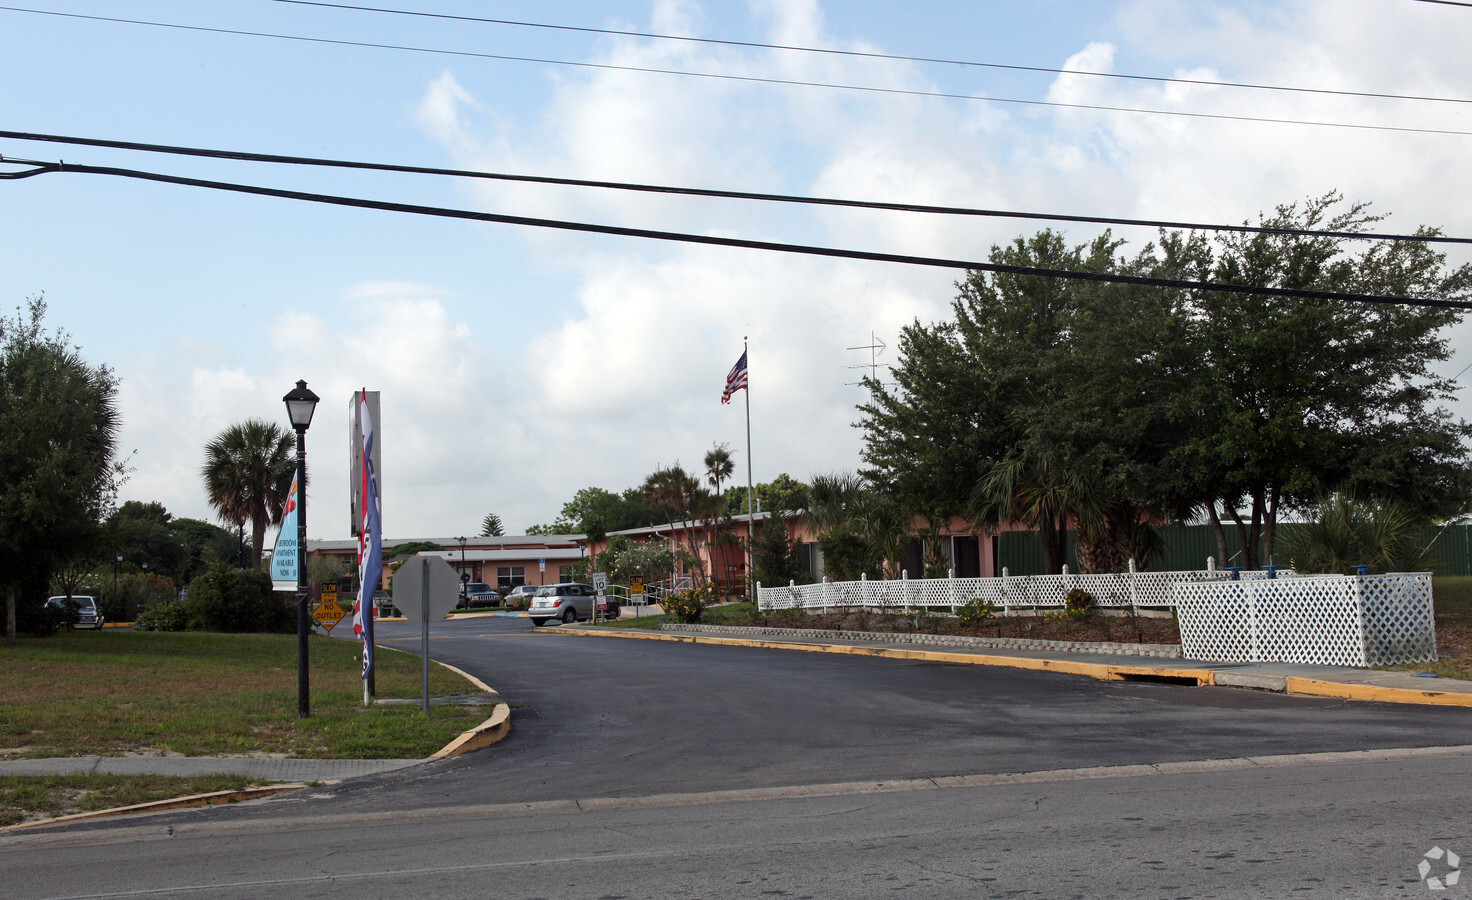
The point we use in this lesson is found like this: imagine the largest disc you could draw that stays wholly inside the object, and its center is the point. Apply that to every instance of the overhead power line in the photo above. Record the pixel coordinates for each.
(771, 246)
(892, 57)
(754, 79)
(245, 156)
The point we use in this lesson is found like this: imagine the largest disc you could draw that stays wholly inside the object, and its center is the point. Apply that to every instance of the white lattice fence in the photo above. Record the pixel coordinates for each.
(1125, 589)
(1326, 620)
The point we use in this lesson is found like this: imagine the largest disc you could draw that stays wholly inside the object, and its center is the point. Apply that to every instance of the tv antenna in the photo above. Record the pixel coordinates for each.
(875, 347)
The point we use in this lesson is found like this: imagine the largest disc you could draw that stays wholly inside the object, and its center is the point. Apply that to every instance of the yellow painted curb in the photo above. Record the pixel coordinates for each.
(483, 735)
(486, 733)
(1101, 671)
(214, 798)
(1316, 688)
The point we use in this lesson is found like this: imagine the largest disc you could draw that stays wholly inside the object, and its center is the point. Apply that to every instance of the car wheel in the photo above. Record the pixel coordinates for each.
(539, 622)
(569, 616)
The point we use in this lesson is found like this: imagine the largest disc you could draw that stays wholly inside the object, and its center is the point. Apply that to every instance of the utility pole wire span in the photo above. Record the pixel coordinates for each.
(705, 192)
(651, 234)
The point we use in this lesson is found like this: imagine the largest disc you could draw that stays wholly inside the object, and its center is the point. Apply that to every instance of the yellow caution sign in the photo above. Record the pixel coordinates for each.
(328, 613)
(636, 584)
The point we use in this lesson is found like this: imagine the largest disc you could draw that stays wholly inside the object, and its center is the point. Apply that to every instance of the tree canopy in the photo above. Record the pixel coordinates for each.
(1104, 406)
(58, 474)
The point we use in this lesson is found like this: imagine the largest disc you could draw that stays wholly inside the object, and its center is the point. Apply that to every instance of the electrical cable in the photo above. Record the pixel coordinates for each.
(753, 79)
(705, 192)
(861, 54)
(771, 246)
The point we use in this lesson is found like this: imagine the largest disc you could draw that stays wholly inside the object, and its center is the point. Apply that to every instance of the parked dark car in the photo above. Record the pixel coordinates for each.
(478, 593)
(568, 602)
(85, 613)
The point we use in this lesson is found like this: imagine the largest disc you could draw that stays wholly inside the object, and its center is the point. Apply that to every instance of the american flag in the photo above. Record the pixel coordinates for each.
(370, 541)
(736, 379)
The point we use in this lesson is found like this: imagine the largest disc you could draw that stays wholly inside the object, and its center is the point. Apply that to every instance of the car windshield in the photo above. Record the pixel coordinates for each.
(548, 591)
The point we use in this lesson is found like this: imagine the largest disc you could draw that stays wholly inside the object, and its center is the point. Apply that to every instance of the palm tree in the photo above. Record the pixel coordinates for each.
(247, 476)
(1345, 531)
(718, 468)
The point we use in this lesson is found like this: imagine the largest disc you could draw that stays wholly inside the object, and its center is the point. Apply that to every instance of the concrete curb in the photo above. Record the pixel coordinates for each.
(492, 730)
(1315, 688)
(1184, 674)
(214, 798)
(1101, 671)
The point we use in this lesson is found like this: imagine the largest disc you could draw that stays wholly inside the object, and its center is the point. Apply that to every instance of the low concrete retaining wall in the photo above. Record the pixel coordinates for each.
(1162, 651)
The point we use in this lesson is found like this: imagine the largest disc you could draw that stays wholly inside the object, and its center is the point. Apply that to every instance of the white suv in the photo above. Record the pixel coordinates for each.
(86, 613)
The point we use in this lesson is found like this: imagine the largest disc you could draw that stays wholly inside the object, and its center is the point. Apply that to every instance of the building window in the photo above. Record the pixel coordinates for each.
(510, 576)
(567, 574)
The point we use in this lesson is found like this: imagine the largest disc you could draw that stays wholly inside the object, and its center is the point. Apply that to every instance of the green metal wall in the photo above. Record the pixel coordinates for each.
(1188, 546)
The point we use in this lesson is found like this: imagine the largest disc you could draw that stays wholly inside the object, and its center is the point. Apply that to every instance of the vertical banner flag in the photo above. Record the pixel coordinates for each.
(735, 379)
(284, 557)
(370, 541)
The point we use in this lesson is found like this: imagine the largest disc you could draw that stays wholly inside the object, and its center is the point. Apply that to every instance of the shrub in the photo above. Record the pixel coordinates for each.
(165, 615)
(686, 606)
(122, 599)
(235, 600)
(1077, 603)
(975, 611)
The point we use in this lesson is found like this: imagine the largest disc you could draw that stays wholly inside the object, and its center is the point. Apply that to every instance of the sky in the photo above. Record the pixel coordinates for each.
(517, 365)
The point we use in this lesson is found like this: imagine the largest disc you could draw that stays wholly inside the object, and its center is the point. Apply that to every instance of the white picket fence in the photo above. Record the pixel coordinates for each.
(1340, 620)
(1122, 590)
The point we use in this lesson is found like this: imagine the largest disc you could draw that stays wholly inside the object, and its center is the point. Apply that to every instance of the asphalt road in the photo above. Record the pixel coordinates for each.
(654, 769)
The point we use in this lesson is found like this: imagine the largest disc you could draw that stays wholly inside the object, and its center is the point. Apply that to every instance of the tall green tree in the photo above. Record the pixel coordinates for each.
(143, 535)
(1308, 396)
(491, 526)
(1104, 406)
(247, 475)
(58, 472)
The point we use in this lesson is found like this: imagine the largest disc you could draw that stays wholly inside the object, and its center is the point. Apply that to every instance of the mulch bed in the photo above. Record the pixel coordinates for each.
(1056, 627)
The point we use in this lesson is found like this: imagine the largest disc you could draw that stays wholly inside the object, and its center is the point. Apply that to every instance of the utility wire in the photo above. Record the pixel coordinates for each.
(680, 237)
(754, 79)
(705, 192)
(861, 54)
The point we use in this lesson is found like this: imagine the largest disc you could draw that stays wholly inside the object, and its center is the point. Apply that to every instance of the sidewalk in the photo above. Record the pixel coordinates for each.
(264, 770)
(1345, 682)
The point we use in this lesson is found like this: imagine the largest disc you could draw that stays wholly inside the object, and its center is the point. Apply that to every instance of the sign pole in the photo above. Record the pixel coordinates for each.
(424, 634)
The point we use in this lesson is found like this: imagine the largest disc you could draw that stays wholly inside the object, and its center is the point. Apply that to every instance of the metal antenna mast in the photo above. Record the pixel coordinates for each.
(875, 347)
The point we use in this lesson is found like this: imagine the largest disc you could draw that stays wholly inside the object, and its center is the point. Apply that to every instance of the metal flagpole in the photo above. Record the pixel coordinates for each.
(750, 492)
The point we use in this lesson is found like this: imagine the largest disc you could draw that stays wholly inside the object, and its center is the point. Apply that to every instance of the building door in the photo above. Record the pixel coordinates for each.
(966, 555)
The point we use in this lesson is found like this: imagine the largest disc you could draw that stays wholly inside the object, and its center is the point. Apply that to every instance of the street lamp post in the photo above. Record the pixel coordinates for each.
(300, 403)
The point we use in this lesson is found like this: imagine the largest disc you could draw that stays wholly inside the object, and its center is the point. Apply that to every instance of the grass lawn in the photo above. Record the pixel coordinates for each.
(1453, 629)
(114, 693)
(119, 693)
(30, 798)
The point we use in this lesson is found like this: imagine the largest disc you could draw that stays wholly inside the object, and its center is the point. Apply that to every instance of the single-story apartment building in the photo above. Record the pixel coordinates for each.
(969, 554)
(501, 562)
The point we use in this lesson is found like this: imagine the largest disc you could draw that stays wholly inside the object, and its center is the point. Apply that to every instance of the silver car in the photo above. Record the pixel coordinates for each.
(569, 602)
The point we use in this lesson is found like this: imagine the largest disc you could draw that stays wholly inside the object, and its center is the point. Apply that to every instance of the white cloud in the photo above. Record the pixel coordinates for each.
(630, 376)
